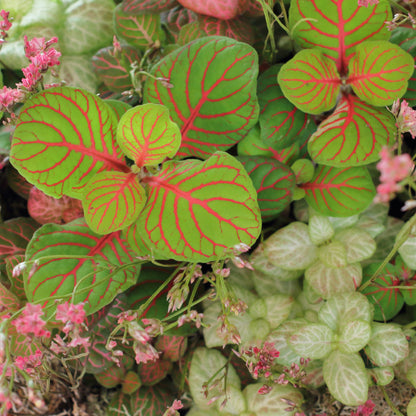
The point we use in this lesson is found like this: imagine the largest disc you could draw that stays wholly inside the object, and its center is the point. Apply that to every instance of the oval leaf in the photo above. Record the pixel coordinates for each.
(62, 138)
(221, 9)
(339, 192)
(112, 201)
(147, 135)
(310, 81)
(200, 210)
(346, 377)
(87, 278)
(358, 243)
(147, 6)
(213, 96)
(352, 135)
(338, 26)
(379, 71)
(354, 336)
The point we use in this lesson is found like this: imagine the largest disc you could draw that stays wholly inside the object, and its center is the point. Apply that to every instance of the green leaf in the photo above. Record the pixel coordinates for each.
(280, 121)
(314, 341)
(387, 346)
(381, 376)
(62, 138)
(310, 81)
(358, 243)
(339, 192)
(320, 229)
(354, 336)
(328, 281)
(112, 201)
(198, 211)
(342, 308)
(213, 96)
(408, 252)
(353, 134)
(88, 27)
(73, 263)
(333, 254)
(139, 30)
(346, 377)
(291, 248)
(278, 308)
(379, 71)
(274, 182)
(147, 135)
(337, 27)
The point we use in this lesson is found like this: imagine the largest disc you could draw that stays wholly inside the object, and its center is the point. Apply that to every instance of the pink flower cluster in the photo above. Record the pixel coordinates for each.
(393, 169)
(5, 25)
(262, 360)
(29, 362)
(406, 117)
(30, 322)
(173, 409)
(142, 347)
(365, 409)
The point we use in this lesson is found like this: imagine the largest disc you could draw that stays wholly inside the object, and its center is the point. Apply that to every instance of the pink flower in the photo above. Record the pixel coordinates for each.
(30, 321)
(367, 3)
(406, 118)
(172, 410)
(365, 409)
(145, 353)
(263, 359)
(5, 24)
(69, 312)
(30, 362)
(393, 169)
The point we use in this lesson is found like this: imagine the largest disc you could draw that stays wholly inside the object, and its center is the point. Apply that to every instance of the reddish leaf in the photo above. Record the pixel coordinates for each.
(177, 18)
(8, 301)
(154, 371)
(139, 30)
(338, 26)
(112, 201)
(131, 383)
(281, 122)
(200, 210)
(111, 377)
(94, 273)
(379, 71)
(46, 209)
(17, 182)
(352, 135)
(221, 9)
(147, 6)
(310, 81)
(172, 347)
(213, 98)
(114, 68)
(15, 235)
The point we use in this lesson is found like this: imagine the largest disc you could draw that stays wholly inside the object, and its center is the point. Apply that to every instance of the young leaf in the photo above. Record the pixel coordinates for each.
(112, 201)
(314, 341)
(333, 254)
(388, 345)
(353, 134)
(346, 377)
(320, 229)
(281, 122)
(213, 96)
(339, 192)
(291, 247)
(147, 135)
(358, 243)
(175, 19)
(199, 211)
(337, 27)
(379, 71)
(310, 81)
(87, 277)
(63, 137)
(273, 181)
(139, 30)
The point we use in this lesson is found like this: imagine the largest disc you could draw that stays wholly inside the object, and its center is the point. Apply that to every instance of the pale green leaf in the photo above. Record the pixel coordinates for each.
(358, 243)
(333, 254)
(387, 346)
(291, 247)
(346, 377)
(354, 336)
(320, 229)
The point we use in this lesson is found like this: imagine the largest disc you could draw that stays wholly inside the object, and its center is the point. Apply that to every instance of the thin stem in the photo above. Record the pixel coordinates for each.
(398, 6)
(390, 403)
